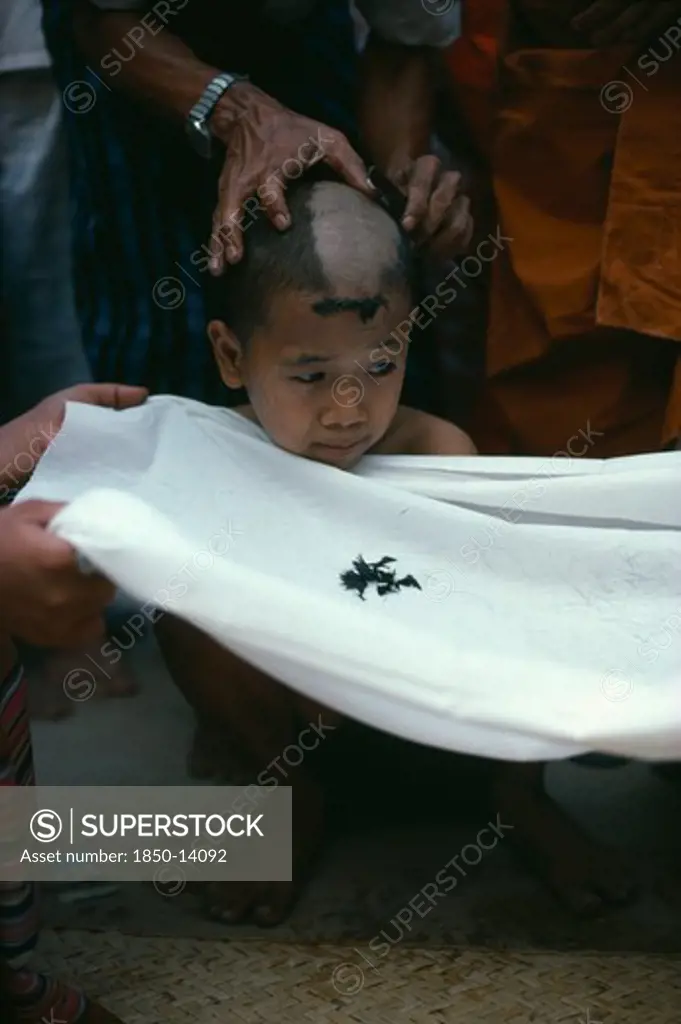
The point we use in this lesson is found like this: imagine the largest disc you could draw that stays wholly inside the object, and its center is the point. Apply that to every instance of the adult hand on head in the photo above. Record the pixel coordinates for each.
(31, 434)
(613, 22)
(263, 138)
(44, 598)
(436, 213)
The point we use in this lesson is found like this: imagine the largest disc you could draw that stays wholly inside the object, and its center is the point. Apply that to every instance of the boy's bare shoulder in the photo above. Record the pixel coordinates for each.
(418, 433)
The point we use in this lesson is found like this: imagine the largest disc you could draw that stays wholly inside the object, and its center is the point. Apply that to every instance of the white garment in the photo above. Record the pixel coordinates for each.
(22, 44)
(549, 590)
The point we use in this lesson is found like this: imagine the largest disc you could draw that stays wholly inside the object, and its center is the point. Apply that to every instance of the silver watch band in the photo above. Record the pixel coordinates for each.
(196, 125)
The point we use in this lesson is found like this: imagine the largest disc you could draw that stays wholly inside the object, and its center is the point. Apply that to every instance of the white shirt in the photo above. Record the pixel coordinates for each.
(22, 44)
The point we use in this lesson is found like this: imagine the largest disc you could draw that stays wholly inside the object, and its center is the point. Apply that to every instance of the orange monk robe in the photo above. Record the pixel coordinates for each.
(585, 306)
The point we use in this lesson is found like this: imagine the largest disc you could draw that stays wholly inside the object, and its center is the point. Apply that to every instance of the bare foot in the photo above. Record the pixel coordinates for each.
(269, 903)
(64, 679)
(585, 876)
(46, 702)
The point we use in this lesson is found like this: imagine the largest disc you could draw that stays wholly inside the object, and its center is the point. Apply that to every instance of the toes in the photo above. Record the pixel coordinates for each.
(572, 885)
(275, 905)
(590, 887)
(230, 902)
(235, 903)
(267, 915)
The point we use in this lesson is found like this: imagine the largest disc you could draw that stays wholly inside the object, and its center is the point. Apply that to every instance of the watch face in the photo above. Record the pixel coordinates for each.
(200, 137)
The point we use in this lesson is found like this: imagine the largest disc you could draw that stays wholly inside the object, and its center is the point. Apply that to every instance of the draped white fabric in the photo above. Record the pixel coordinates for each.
(547, 617)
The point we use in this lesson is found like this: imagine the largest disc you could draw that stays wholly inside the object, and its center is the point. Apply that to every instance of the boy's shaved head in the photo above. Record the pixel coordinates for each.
(343, 249)
(356, 242)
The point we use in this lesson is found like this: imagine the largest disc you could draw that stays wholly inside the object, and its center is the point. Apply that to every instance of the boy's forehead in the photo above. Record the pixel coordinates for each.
(295, 316)
(295, 334)
(310, 339)
(315, 309)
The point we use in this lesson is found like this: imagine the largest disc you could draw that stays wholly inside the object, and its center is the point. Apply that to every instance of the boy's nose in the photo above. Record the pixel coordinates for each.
(344, 411)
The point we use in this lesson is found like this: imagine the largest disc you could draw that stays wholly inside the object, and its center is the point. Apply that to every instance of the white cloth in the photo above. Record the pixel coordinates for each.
(22, 44)
(549, 619)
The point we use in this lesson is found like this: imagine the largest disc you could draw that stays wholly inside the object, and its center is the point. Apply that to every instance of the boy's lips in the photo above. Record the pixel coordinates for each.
(339, 451)
(340, 447)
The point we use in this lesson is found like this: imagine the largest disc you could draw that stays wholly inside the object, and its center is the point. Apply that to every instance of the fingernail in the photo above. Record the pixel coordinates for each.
(408, 223)
(281, 221)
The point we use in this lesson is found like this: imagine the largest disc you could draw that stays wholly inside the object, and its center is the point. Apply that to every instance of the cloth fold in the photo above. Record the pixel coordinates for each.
(543, 616)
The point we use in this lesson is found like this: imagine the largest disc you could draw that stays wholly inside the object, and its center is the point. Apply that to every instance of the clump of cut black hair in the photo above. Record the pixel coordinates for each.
(324, 253)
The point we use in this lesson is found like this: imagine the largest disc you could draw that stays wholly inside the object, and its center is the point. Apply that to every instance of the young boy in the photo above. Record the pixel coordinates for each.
(315, 325)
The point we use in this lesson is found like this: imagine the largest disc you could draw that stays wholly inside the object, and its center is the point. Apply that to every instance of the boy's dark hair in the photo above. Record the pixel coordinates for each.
(276, 261)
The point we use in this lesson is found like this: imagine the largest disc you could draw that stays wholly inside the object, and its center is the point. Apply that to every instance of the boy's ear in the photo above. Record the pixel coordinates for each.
(228, 353)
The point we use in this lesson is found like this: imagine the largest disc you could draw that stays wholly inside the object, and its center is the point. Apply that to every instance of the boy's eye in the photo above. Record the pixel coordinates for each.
(380, 369)
(309, 378)
(383, 368)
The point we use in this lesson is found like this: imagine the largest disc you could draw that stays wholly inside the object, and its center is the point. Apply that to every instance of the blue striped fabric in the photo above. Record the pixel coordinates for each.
(143, 200)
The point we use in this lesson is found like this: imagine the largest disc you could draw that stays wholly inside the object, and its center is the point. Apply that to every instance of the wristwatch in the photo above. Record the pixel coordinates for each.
(197, 120)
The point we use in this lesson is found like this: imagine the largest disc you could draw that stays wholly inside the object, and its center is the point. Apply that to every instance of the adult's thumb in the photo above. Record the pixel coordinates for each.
(113, 396)
(38, 513)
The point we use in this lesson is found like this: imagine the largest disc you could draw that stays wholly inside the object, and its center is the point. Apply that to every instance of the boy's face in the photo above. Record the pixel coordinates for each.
(322, 386)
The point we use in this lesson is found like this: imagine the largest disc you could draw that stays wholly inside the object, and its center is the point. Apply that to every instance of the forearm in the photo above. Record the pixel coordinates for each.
(164, 71)
(396, 106)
